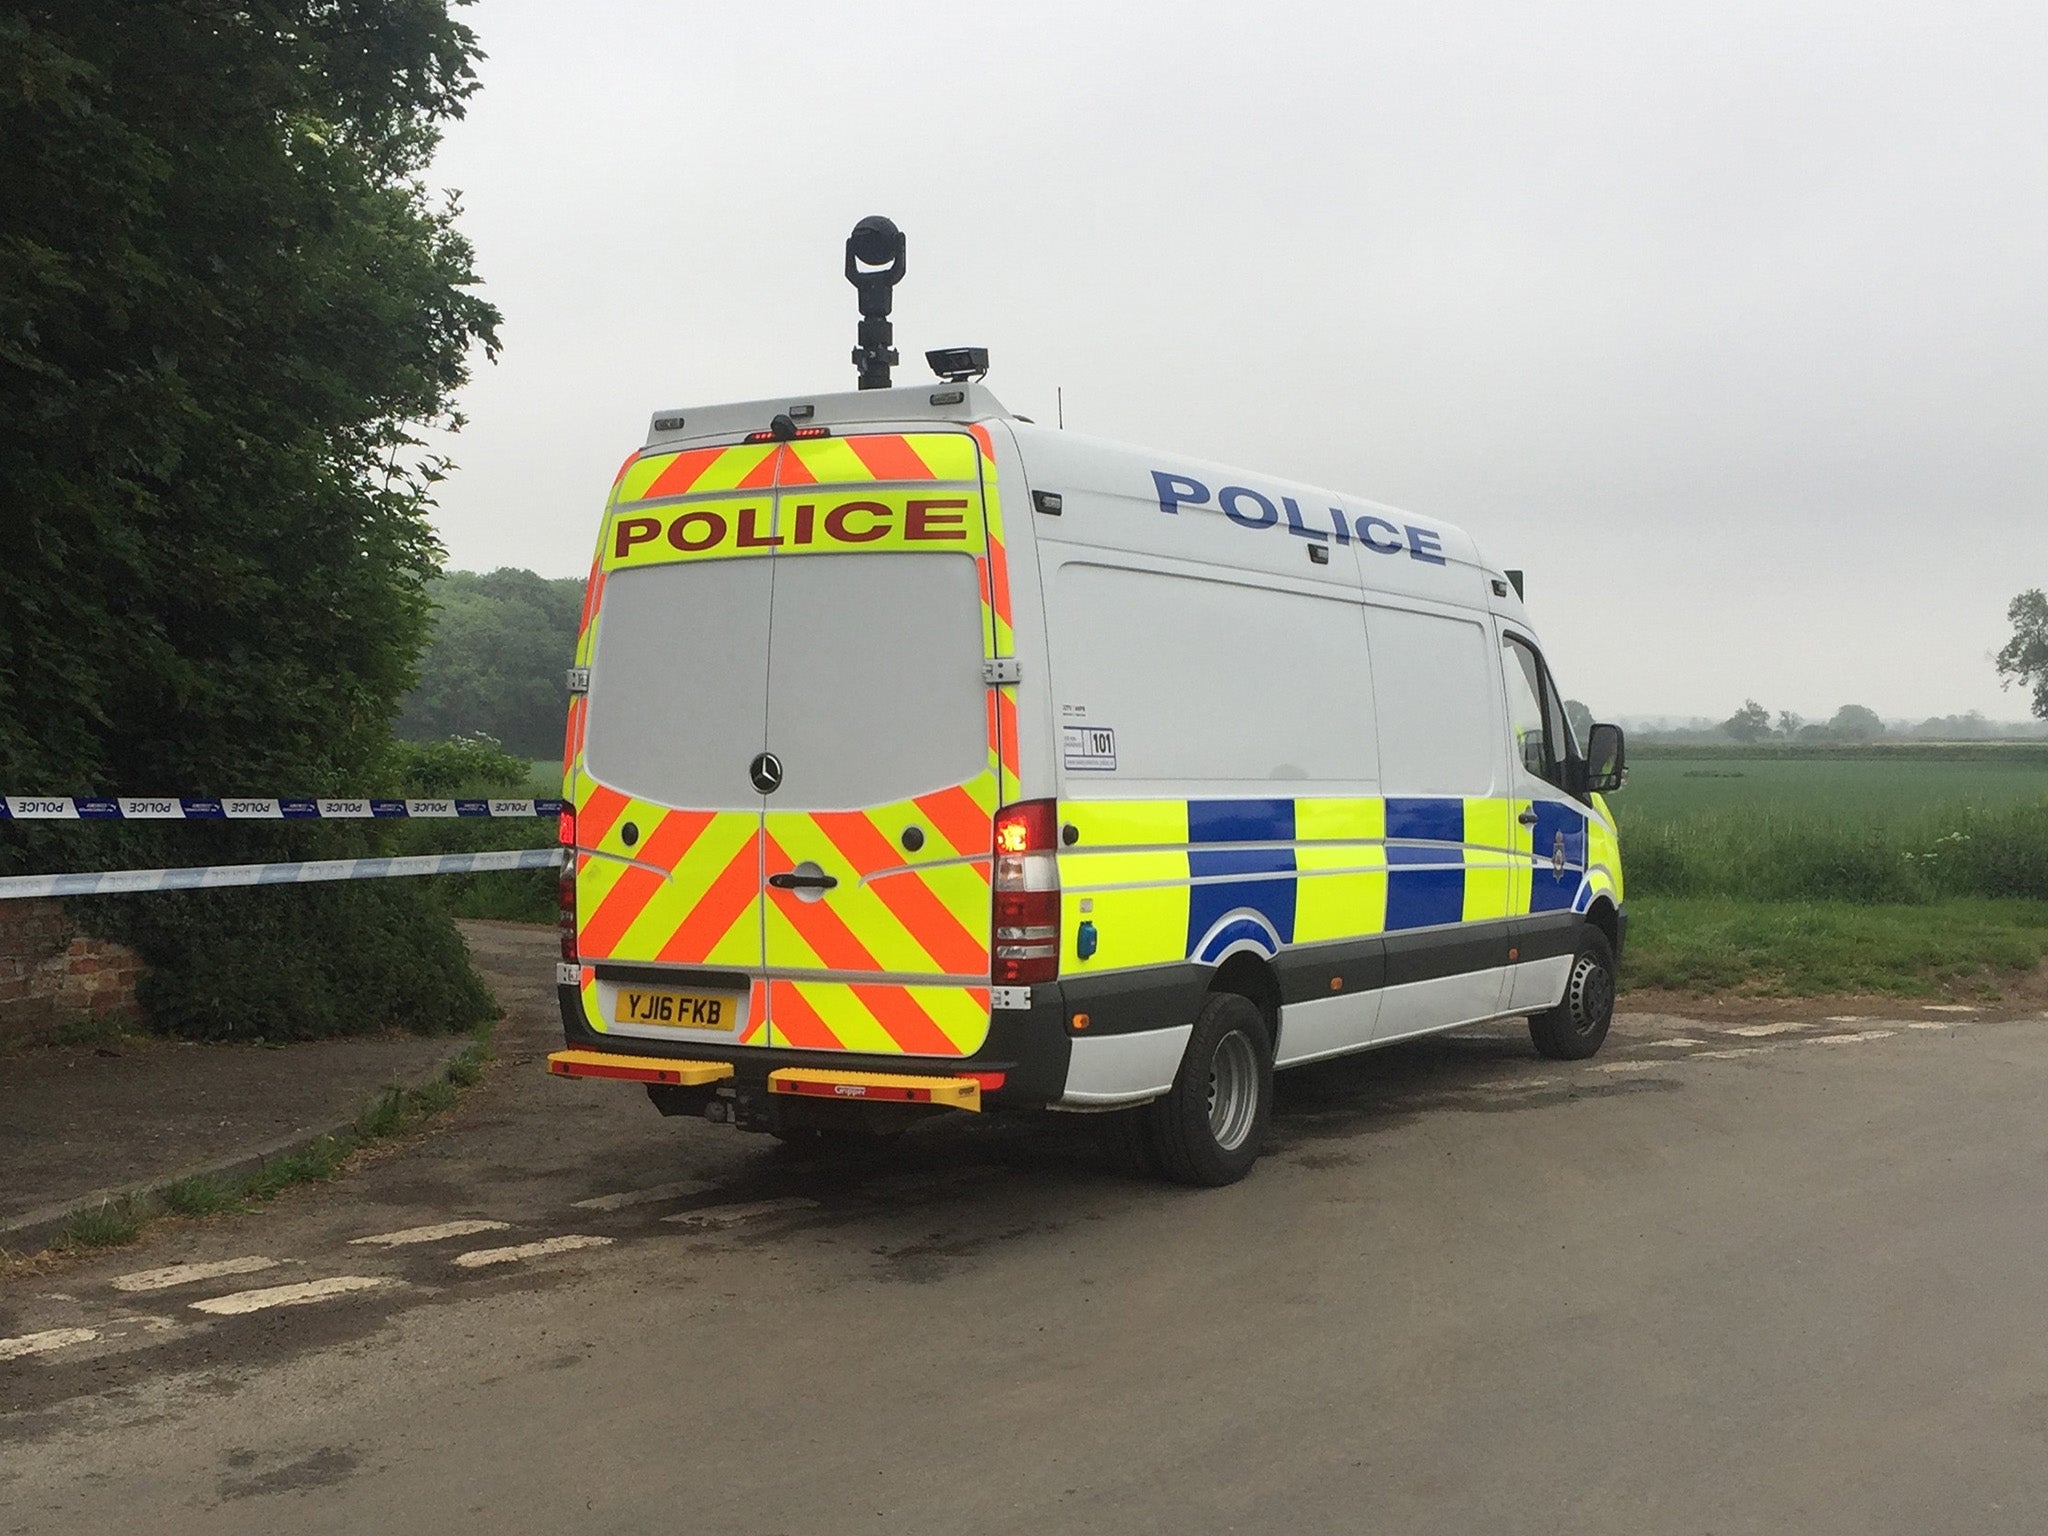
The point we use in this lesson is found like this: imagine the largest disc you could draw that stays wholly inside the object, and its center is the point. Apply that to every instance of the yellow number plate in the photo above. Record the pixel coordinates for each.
(679, 1010)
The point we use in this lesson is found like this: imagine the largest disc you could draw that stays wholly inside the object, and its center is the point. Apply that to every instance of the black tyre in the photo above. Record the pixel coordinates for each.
(1211, 1126)
(1573, 1030)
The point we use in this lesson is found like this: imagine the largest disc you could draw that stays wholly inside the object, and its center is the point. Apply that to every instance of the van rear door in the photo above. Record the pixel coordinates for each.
(790, 759)
(668, 821)
(878, 840)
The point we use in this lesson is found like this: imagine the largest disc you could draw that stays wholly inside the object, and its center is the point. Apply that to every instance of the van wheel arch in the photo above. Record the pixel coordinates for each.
(1603, 915)
(1253, 978)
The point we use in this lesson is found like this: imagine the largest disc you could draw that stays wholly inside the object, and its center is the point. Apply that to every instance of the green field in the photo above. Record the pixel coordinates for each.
(1905, 781)
(1908, 870)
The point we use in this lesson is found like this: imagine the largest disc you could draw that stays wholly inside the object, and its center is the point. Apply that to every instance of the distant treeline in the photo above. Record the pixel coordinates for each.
(502, 644)
(1719, 749)
(1852, 724)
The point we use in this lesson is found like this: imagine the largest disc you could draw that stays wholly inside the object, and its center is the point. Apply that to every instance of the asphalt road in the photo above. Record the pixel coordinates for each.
(1712, 1282)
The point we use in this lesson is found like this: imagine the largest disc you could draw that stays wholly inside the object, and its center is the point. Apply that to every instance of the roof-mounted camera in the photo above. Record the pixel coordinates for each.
(875, 263)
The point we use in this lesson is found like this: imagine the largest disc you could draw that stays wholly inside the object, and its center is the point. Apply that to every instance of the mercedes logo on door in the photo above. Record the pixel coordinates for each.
(766, 772)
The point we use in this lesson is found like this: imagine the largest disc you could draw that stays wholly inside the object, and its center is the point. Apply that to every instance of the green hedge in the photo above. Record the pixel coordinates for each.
(307, 962)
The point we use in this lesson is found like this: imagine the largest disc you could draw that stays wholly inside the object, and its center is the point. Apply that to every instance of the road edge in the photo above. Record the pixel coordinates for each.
(37, 1231)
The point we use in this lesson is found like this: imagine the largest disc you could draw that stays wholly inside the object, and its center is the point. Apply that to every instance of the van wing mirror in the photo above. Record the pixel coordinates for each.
(1606, 758)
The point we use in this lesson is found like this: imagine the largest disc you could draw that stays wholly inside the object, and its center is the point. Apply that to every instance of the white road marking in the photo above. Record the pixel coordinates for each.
(1861, 1034)
(1731, 1053)
(1948, 1008)
(648, 1196)
(1631, 1066)
(713, 1217)
(1758, 1031)
(1930, 1024)
(1847, 1018)
(407, 1236)
(478, 1258)
(44, 1342)
(185, 1274)
(235, 1303)
(1678, 1040)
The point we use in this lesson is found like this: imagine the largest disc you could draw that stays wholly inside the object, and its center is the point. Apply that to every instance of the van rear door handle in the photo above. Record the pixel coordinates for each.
(791, 881)
(1527, 818)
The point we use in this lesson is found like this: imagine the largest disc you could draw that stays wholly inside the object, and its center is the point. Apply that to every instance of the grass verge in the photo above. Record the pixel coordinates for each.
(1812, 948)
(110, 1225)
(395, 1111)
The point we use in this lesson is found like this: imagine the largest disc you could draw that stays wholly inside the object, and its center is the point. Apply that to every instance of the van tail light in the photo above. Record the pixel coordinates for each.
(1027, 895)
(565, 891)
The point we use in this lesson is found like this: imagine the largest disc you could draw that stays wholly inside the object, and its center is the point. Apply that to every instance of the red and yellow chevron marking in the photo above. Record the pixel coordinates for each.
(922, 914)
(869, 459)
(686, 892)
(879, 1019)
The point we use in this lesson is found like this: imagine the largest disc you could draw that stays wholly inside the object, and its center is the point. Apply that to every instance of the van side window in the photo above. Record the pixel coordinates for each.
(1439, 718)
(1538, 732)
(1211, 682)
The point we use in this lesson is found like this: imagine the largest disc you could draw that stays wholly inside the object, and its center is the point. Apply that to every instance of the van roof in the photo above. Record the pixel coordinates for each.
(939, 401)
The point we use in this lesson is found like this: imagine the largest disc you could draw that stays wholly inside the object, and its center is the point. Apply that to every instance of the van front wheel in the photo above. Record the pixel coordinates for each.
(1211, 1125)
(1573, 1030)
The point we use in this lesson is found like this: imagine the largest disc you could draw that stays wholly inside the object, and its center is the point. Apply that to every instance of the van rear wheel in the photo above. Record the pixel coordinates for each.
(1211, 1125)
(1573, 1030)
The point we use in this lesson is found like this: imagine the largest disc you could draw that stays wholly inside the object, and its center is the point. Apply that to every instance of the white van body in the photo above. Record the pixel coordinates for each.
(1271, 741)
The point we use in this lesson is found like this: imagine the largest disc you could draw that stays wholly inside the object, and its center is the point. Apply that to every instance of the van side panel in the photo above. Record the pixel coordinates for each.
(1240, 772)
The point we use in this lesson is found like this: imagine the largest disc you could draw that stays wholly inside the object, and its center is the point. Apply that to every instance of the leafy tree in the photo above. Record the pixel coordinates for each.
(501, 644)
(2024, 660)
(1853, 722)
(1752, 722)
(1788, 724)
(226, 301)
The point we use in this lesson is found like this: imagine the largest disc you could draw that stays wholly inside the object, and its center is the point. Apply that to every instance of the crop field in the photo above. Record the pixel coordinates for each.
(1907, 870)
(1906, 782)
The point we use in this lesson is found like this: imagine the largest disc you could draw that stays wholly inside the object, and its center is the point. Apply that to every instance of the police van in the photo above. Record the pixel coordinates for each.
(923, 758)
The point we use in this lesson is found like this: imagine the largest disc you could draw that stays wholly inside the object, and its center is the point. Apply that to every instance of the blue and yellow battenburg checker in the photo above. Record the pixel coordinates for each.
(1162, 881)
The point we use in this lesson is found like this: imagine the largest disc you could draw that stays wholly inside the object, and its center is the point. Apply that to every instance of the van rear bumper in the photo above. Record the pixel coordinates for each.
(1029, 1047)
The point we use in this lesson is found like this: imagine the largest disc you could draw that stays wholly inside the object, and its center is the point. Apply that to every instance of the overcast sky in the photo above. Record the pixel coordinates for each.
(1728, 323)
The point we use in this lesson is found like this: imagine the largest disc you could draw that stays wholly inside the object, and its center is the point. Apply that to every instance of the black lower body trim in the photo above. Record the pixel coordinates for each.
(1441, 952)
(1546, 935)
(1129, 1002)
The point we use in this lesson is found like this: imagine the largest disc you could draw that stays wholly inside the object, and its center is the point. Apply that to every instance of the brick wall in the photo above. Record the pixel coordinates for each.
(50, 973)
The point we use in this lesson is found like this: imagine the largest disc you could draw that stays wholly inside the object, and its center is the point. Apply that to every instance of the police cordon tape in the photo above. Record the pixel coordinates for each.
(234, 808)
(123, 882)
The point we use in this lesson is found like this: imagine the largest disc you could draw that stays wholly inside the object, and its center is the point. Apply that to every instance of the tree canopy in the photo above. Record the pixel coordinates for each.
(1752, 722)
(225, 298)
(502, 643)
(2024, 660)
